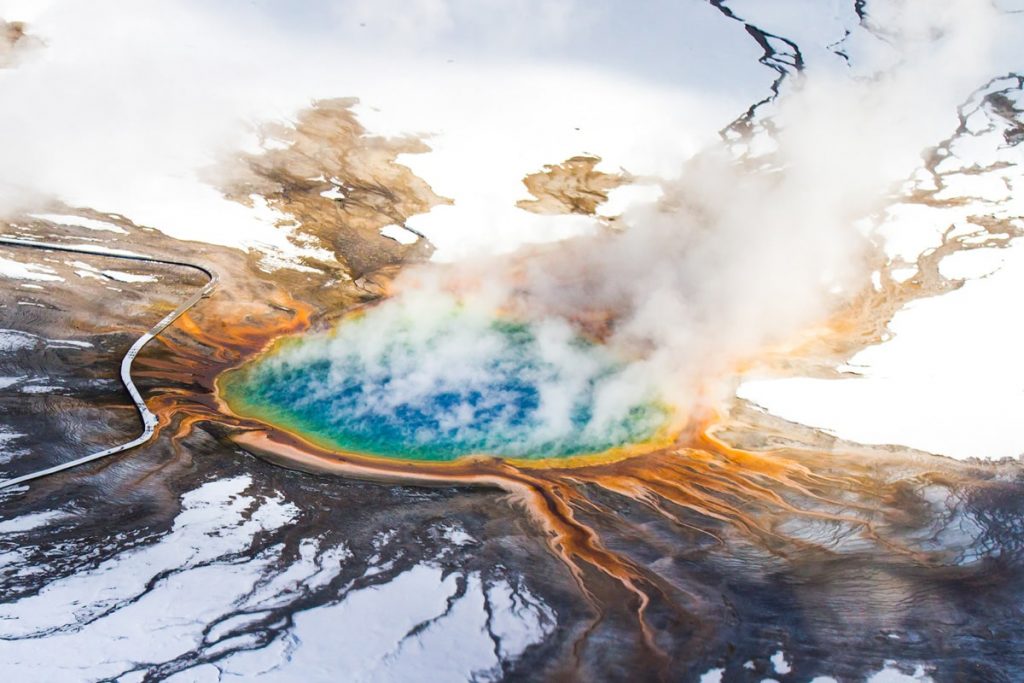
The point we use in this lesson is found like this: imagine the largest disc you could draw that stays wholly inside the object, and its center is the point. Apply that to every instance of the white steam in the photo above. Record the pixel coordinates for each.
(742, 253)
(438, 371)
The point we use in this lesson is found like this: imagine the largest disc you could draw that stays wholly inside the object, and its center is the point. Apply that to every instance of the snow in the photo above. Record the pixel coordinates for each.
(98, 612)
(100, 622)
(13, 340)
(68, 343)
(780, 664)
(712, 676)
(7, 436)
(80, 221)
(16, 340)
(85, 270)
(949, 381)
(458, 536)
(399, 234)
(10, 381)
(27, 271)
(39, 389)
(131, 278)
(374, 648)
(891, 674)
(30, 521)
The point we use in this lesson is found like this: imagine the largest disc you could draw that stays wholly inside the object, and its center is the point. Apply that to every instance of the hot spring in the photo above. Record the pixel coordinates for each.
(436, 379)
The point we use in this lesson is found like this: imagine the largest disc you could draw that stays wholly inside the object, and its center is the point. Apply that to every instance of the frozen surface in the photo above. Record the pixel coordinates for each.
(196, 590)
(944, 383)
(90, 223)
(10, 268)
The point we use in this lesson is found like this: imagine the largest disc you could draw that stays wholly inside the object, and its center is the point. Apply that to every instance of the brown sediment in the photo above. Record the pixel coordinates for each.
(573, 186)
(338, 186)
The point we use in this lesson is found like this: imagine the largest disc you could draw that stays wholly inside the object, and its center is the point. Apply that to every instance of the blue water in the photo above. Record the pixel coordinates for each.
(395, 385)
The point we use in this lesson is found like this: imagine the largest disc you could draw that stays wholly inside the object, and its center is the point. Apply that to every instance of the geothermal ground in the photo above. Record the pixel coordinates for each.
(589, 343)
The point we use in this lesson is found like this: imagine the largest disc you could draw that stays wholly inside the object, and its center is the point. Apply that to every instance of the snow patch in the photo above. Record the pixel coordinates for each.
(779, 663)
(891, 674)
(90, 223)
(399, 234)
(28, 271)
(30, 521)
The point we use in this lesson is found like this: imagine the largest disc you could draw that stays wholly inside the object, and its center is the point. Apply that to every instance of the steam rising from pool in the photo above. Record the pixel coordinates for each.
(432, 378)
(752, 247)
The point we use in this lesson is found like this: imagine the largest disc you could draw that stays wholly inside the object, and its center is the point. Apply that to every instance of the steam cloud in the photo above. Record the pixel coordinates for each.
(741, 252)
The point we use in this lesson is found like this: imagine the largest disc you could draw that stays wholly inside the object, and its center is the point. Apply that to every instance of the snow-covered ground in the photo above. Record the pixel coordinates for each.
(195, 593)
(949, 380)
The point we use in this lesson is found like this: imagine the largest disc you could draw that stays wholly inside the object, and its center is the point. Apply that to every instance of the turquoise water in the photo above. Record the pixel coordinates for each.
(437, 385)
